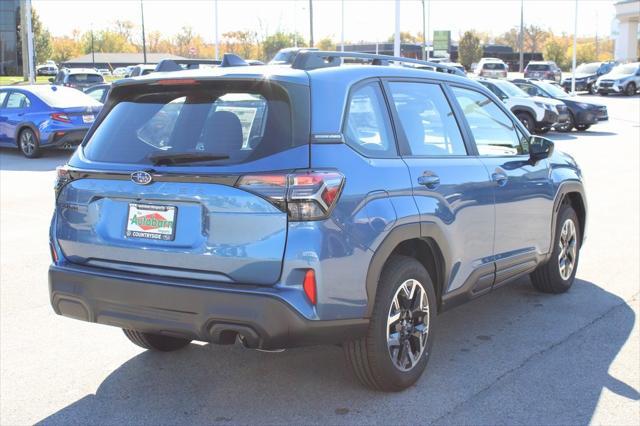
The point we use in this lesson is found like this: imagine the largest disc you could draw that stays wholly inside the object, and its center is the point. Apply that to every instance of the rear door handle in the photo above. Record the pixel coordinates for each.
(429, 180)
(500, 178)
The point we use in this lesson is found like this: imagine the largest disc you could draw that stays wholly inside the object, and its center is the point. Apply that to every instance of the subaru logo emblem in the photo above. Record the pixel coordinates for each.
(141, 178)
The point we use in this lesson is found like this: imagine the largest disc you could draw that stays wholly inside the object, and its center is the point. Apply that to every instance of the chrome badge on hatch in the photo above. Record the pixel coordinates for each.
(141, 178)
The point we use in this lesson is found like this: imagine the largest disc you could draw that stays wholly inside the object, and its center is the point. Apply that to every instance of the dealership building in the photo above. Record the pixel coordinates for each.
(628, 16)
(10, 54)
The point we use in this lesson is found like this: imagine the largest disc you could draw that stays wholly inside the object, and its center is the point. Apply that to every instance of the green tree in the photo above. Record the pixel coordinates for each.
(534, 38)
(242, 43)
(279, 40)
(65, 48)
(510, 38)
(555, 49)
(469, 49)
(405, 37)
(41, 39)
(326, 44)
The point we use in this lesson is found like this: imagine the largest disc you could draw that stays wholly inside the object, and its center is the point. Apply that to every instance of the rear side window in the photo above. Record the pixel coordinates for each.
(17, 100)
(367, 128)
(85, 78)
(427, 119)
(234, 124)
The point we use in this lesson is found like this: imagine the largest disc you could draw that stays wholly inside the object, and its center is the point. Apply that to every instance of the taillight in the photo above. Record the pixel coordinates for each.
(63, 177)
(308, 195)
(54, 254)
(60, 116)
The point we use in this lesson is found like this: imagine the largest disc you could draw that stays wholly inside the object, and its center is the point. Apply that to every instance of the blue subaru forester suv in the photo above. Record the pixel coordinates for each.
(338, 200)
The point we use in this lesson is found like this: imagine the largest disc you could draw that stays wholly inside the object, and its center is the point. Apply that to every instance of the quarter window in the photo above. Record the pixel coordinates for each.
(427, 119)
(2, 96)
(493, 130)
(367, 127)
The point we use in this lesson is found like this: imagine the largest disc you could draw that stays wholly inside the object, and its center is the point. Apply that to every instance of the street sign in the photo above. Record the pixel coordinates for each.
(441, 40)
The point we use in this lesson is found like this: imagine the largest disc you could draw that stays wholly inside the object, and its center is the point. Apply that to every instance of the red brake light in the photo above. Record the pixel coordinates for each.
(309, 286)
(61, 116)
(54, 254)
(176, 82)
(306, 195)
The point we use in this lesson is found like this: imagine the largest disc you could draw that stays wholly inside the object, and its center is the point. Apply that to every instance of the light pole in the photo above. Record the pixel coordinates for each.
(521, 38)
(310, 23)
(342, 27)
(144, 41)
(424, 34)
(396, 38)
(93, 54)
(215, 18)
(575, 45)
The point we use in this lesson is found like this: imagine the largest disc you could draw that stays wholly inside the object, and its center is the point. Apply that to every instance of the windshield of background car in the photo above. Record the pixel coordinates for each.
(85, 78)
(538, 67)
(511, 89)
(236, 122)
(64, 97)
(283, 58)
(493, 66)
(551, 89)
(588, 68)
(625, 69)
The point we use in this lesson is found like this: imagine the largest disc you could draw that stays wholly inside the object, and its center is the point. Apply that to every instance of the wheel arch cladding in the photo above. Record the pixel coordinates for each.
(406, 240)
(577, 203)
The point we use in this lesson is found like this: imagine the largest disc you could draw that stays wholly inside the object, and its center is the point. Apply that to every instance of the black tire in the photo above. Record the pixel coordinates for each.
(370, 357)
(603, 93)
(583, 127)
(156, 342)
(592, 89)
(28, 143)
(630, 90)
(543, 130)
(527, 121)
(548, 277)
(568, 126)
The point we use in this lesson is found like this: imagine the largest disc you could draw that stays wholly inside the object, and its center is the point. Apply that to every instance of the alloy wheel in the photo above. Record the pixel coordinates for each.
(568, 249)
(27, 143)
(408, 325)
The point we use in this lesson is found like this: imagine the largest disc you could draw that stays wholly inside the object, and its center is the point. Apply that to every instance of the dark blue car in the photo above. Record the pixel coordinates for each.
(42, 116)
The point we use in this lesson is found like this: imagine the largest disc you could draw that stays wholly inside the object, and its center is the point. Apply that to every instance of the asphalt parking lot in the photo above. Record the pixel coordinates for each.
(513, 357)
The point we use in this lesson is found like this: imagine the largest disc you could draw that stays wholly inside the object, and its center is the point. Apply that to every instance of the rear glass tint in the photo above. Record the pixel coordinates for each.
(236, 124)
(538, 67)
(494, 66)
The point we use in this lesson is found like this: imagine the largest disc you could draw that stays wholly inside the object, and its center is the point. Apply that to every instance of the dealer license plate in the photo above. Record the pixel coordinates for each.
(152, 222)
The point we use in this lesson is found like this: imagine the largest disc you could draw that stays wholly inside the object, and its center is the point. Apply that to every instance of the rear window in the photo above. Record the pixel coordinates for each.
(235, 124)
(85, 78)
(538, 67)
(63, 97)
(493, 66)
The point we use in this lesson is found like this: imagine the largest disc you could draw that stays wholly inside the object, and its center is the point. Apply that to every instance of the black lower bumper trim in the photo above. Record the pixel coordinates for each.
(207, 314)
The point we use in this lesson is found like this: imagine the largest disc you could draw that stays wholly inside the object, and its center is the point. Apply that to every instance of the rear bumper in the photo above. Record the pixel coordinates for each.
(198, 312)
(65, 138)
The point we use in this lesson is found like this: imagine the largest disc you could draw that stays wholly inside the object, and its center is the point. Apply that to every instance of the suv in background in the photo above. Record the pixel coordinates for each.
(624, 78)
(543, 70)
(47, 69)
(290, 206)
(582, 115)
(78, 78)
(536, 113)
(492, 68)
(586, 76)
(141, 69)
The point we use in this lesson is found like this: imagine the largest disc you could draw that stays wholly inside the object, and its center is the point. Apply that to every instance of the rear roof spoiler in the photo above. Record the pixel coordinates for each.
(313, 59)
(228, 60)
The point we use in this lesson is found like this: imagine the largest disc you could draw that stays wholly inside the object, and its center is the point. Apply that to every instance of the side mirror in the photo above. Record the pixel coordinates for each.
(539, 148)
(50, 79)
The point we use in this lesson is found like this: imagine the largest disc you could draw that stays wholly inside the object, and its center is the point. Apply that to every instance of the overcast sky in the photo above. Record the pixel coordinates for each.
(368, 20)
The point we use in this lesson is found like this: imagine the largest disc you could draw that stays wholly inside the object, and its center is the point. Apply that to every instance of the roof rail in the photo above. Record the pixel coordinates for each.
(314, 59)
(167, 65)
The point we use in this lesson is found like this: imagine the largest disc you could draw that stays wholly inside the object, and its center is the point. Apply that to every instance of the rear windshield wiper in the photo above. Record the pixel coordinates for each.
(175, 159)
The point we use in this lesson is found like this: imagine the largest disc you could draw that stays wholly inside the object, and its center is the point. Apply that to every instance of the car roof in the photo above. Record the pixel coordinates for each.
(80, 71)
(344, 75)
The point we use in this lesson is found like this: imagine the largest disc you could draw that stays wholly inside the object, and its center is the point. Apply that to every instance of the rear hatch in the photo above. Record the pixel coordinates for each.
(155, 188)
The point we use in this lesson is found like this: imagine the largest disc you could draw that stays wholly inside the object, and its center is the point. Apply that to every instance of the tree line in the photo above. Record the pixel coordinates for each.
(125, 36)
